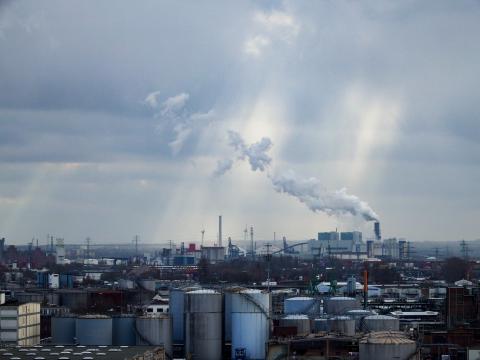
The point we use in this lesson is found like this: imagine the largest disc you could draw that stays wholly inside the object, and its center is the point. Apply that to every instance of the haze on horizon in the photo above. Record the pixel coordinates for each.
(114, 117)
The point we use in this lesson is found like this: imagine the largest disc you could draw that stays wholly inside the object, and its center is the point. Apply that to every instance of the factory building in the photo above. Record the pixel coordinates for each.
(20, 324)
(340, 244)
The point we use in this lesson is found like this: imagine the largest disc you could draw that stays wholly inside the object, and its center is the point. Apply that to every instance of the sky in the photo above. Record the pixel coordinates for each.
(115, 115)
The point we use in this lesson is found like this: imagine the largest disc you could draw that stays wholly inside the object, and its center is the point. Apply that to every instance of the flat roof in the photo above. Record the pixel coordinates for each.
(73, 352)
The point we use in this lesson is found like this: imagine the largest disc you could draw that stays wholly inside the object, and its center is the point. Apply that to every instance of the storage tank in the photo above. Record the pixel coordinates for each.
(250, 323)
(203, 325)
(301, 322)
(320, 325)
(342, 325)
(227, 300)
(300, 305)
(154, 330)
(381, 323)
(63, 330)
(358, 315)
(339, 305)
(94, 330)
(123, 332)
(386, 345)
(177, 312)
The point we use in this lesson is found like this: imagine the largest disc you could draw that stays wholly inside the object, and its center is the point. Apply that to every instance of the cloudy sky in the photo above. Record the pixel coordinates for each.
(114, 116)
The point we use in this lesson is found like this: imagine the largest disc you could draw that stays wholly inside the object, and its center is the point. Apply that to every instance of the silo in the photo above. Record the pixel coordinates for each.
(342, 325)
(227, 300)
(301, 322)
(250, 324)
(203, 325)
(123, 332)
(155, 330)
(358, 315)
(177, 312)
(63, 330)
(300, 305)
(94, 330)
(386, 345)
(320, 325)
(381, 323)
(339, 305)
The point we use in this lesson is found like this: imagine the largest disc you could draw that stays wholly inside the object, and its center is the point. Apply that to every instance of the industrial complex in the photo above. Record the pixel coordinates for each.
(335, 296)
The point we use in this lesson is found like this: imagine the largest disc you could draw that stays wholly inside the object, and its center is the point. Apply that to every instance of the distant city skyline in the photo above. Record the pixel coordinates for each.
(114, 120)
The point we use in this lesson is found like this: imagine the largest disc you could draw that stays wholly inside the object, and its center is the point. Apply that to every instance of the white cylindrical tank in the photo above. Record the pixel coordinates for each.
(381, 323)
(301, 322)
(94, 330)
(63, 330)
(203, 325)
(250, 322)
(386, 345)
(300, 305)
(339, 305)
(155, 330)
(342, 325)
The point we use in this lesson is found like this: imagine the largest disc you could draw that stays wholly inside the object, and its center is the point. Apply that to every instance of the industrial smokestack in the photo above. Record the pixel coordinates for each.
(220, 230)
(376, 229)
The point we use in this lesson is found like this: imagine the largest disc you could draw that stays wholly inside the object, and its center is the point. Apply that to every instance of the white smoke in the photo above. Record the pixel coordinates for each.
(222, 167)
(310, 192)
(176, 118)
(307, 190)
(256, 153)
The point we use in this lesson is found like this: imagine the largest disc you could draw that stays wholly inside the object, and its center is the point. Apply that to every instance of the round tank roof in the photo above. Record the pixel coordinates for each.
(300, 298)
(203, 291)
(96, 316)
(380, 317)
(386, 337)
(295, 317)
(341, 298)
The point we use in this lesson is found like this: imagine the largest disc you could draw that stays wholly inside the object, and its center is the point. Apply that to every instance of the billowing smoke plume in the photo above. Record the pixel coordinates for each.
(255, 154)
(310, 192)
(176, 118)
(307, 190)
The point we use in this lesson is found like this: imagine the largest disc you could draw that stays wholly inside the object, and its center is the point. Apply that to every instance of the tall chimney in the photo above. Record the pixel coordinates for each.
(376, 229)
(220, 230)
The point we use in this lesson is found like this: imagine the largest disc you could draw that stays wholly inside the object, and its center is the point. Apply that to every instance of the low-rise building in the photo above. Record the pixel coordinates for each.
(20, 324)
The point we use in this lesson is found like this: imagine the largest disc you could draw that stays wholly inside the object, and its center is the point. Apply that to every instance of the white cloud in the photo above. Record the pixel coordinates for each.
(255, 45)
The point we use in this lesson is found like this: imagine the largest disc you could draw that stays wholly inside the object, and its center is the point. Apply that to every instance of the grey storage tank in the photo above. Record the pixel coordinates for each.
(123, 331)
(203, 325)
(155, 330)
(358, 315)
(386, 345)
(177, 312)
(301, 322)
(342, 324)
(63, 330)
(301, 305)
(94, 330)
(381, 323)
(339, 305)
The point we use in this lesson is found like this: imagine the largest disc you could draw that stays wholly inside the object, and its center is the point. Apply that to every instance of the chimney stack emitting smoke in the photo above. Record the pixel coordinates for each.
(376, 230)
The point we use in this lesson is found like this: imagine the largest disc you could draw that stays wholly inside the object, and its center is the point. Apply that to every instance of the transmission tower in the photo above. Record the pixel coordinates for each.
(465, 249)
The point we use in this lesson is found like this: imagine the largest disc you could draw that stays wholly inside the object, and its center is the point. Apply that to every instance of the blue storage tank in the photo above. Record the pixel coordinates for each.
(66, 281)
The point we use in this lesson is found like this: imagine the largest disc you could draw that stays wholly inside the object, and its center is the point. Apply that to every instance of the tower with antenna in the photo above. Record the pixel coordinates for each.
(135, 241)
(203, 235)
(251, 243)
(465, 249)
